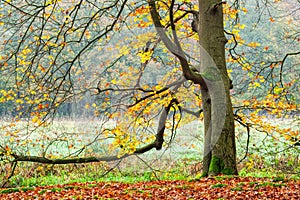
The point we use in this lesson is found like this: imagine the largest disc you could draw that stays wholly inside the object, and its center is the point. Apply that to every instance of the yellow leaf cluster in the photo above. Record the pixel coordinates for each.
(145, 56)
(124, 139)
(7, 95)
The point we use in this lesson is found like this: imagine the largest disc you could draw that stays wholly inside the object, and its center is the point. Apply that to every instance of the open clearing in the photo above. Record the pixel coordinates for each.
(205, 188)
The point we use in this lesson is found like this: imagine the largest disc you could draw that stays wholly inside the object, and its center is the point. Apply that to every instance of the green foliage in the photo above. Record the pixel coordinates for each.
(219, 185)
(237, 189)
(265, 184)
(43, 191)
(11, 190)
(56, 189)
(279, 179)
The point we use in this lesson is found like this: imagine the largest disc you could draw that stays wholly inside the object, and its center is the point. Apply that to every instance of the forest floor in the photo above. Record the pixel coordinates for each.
(204, 188)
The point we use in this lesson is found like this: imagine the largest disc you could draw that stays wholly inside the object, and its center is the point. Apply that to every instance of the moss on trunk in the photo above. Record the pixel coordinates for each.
(228, 171)
(215, 166)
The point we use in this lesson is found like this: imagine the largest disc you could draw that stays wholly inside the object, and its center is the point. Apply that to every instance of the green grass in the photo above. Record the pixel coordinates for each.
(11, 190)
(69, 176)
(27, 174)
(90, 174)
(224, 177)
(269, 172)
(237, 189)
(219, 185)
(270, 184)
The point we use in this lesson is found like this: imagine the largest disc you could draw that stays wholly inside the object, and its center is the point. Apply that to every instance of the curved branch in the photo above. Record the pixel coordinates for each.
(248, 136)
(232, 49)
(282, 63)
(173, 48)
(77, 160)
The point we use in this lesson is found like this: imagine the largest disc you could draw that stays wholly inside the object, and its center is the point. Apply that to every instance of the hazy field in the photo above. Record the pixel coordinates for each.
(182, 156)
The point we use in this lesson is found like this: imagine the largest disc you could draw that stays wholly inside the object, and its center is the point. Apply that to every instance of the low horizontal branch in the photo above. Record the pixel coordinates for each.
(157, 144)
(59, 161)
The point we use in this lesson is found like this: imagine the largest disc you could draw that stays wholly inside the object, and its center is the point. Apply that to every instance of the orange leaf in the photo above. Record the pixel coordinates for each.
(40, 106)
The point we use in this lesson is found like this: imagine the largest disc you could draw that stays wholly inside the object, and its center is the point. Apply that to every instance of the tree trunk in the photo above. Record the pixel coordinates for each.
(219, 145)
(207, 131)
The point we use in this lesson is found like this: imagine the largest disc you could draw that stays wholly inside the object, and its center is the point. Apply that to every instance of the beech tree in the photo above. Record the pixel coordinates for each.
(219, 148)
(133, 66)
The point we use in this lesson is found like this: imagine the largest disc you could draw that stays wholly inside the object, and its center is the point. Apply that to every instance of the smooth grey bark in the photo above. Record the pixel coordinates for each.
(220, 149)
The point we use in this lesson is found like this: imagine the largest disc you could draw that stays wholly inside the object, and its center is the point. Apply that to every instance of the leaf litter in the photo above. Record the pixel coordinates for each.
(204, 188)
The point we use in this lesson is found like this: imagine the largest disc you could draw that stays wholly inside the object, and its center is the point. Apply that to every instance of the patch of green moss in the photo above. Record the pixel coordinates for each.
(219, 185)
(215, 165)
(10, 190)
(241, 184)
(56, 189)
(227, 171)
(253, 183)
(27, 189)
(42, 191)
(279, 179)
(237, 189)
(270, 184)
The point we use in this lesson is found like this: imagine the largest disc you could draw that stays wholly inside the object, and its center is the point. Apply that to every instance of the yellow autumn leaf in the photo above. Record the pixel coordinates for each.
(45, 37)
(35, 119)
(242, 26)
(19, 101)
(246, 103)
(278, 90)
(114, 81)
(256, 84)
(244, 10)
(254, 44)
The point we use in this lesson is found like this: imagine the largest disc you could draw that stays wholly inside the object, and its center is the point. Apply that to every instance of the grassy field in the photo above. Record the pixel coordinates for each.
(268, 156)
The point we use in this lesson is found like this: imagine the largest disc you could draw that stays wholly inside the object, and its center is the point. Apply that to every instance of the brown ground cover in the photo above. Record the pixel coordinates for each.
(206, 188)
